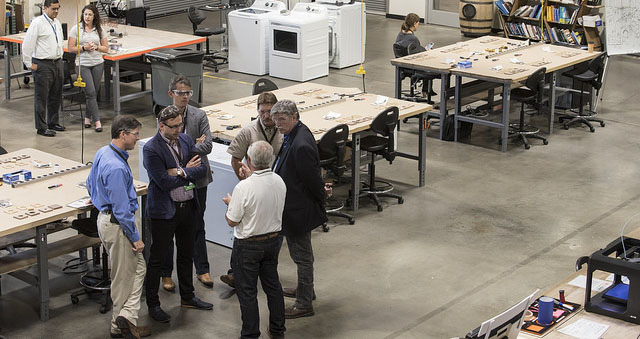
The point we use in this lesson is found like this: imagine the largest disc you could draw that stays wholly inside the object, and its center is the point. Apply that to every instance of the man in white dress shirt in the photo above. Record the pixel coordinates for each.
(42, 54)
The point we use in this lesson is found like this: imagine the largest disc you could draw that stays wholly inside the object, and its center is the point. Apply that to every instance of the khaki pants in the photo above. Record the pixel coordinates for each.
(127, 271)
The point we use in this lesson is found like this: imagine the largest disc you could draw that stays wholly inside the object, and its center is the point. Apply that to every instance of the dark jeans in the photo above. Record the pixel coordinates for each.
(162, 231)
(301, 252)
(253, 259)
(200, 257)
(48, 80)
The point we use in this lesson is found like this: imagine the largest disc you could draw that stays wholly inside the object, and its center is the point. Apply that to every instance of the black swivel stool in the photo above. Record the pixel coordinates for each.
(593, 76)
(96, 281)
(263, 85)
(331, 148)
(382, 143)
(530, 94)
(196, 17)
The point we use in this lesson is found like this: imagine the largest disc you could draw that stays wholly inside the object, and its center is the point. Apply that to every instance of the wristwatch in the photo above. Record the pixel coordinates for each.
(179, 171)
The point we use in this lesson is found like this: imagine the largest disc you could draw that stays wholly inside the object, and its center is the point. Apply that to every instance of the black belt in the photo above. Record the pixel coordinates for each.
(113, 219)
(182, 204)
(262, 237)
(49, 60)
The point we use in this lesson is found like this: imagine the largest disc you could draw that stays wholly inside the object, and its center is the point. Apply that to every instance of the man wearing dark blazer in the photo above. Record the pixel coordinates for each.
(171, 206)
(196, 125)
(298, 165)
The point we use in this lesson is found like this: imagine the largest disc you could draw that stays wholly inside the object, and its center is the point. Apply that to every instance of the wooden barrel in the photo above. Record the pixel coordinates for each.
(476, 17)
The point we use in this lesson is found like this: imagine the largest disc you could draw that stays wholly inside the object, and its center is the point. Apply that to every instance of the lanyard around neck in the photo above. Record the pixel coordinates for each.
(53, 26)
(264, 134)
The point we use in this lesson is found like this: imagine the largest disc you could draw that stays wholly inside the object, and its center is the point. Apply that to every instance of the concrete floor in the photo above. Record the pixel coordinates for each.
(486, 230)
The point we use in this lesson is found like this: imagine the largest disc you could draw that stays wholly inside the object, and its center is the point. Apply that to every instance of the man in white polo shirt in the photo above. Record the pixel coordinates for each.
(255, 212)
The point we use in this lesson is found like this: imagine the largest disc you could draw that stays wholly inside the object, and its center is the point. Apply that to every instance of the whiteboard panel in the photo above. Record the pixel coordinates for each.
(622, 30)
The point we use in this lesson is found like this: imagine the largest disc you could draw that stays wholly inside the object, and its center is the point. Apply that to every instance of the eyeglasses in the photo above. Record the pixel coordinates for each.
(174, 126)
(182, 93)
(137, 134)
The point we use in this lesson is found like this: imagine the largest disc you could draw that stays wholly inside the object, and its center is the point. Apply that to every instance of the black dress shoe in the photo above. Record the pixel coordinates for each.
(57, 127)
(98, 129)
(196, 303)
(46, 132)
(157, 314)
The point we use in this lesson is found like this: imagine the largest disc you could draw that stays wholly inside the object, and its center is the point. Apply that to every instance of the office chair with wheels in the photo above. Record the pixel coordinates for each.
(263, 85)
(593, 76)
(196, 17)
(381, 143)
(531, 94)
(69, 91)
(331, 148)
(96, 281)
(416, 77)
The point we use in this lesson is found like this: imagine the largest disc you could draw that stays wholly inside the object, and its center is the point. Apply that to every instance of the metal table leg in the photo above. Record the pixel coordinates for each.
(355, 171)
(422, 149)
(444, 84)
(398, 84)
(552, 100)
(116, 86)
(107, 81)
(456, 113)
(7, 70)
(43, 271)
(506, 100)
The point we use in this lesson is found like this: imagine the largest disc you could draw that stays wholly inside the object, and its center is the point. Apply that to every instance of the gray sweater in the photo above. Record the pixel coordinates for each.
(405, 39)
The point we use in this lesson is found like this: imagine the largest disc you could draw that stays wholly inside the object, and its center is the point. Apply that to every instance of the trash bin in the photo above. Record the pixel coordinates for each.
(169, 62)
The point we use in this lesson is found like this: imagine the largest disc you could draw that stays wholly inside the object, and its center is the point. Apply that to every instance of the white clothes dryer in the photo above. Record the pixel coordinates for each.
(300, 46)
(249, 36)
(345, 32)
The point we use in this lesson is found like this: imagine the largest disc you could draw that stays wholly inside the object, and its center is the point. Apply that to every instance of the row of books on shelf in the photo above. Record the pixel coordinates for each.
(529, 11)
(568, 36)
(504, 6)
(561, 15)
(526, 30)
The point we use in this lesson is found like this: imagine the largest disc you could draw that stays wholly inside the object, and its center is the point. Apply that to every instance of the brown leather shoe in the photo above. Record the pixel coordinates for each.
(293, 312)
(168, 284)
(291, 292)
(229, 280)
(205, 279)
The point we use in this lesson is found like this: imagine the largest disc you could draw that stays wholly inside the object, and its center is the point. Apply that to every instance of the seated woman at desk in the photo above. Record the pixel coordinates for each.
(407, 39)
(93, 42)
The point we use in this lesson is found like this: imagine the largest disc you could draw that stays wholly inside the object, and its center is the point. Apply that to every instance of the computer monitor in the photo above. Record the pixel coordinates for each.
(505, 325)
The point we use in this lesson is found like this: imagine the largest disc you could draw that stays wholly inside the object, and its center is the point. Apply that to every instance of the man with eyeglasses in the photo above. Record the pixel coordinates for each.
(196, 125)
(261, 129)
(42, 54)
(173, 167)
(110, 186)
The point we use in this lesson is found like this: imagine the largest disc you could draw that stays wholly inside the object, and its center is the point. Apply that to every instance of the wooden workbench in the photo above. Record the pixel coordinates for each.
(136, 42)
(315, 101)
(58, 183)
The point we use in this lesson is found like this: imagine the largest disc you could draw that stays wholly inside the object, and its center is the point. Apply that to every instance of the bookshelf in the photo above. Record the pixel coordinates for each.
(521, 19)
(556, 21)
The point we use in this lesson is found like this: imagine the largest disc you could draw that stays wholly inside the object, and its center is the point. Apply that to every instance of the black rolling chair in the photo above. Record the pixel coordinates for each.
(96, 281)
(427, 79)
(196, 17)
(332, 149)
(69, 91)
(382, 143)
(263, 85)
(593, 76)
(531, 94)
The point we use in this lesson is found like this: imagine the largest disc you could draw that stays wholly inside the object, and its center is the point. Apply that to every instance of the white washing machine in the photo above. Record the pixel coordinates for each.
(300, 45)
(344, 32)
(249, 36)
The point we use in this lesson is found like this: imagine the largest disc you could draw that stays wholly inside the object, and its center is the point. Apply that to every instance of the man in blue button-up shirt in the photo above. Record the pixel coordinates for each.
(110, 185)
